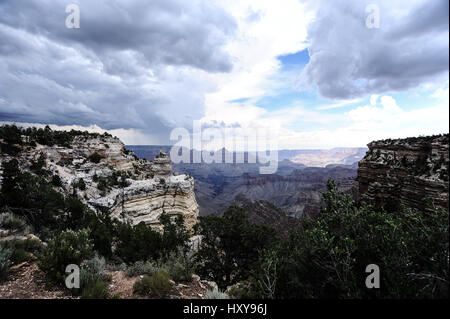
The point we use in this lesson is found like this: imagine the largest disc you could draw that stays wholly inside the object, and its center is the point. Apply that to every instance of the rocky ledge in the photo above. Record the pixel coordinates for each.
(109, 178)
(411, 172)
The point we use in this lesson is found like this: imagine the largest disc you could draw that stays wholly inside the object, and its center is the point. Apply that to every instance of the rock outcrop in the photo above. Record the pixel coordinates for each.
(411, 172)
(145, 200)
(108, 177)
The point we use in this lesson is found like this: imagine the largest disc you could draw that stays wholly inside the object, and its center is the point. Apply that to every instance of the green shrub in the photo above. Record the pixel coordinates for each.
(5, 262)
(327, 256)
(11, 221)
(20, 255)
(175, 236)
(142, 286)
(22, 249)
(215, 293)
(38, 167)
(56, 181)
(138, 242)
(95, 265)
(230, 246)
(11, 135)
(142, 268)
(69, 247)
(95, 289)
(95, 158)
(181, 266)
(158, 284)
(102, 232)
(243, 290)
(80, 184)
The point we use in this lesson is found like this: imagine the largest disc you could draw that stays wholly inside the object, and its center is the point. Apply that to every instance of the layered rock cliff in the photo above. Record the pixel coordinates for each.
(109, 178)
(412, 172)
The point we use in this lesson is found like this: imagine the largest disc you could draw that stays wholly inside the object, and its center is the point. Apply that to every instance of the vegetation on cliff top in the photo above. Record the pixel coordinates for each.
(12, 136)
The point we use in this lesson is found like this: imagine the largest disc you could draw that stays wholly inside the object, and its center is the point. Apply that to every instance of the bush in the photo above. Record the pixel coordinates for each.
(158, 284)
(244, 290)
(138, 242)
(80, 184)
(175, 236)
(181, 266)
(56, 181)
(5, 263)
(95, 290)
(20, 255)
(95, 158)
(12, 222)
(142, 268)
(67, 248)
(142, 286)
(11, 135)
(92, 286)
(326, 257)
(230, 246)
(95, 265)
(22, 249)
(215, 293)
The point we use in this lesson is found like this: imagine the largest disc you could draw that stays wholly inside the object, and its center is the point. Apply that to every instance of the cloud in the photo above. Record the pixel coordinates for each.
(266, 30)
(141, 65)
(141, 68)
(367, 123)
(349, 60)
(173, 32)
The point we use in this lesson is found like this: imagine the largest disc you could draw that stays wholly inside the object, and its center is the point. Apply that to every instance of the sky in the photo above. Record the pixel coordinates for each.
(311, 74)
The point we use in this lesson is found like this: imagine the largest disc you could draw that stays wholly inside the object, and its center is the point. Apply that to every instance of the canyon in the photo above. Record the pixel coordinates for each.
(295, 188)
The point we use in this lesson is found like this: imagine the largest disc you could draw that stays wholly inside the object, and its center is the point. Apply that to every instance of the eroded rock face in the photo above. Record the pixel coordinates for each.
(128, 188)
(412, 172)
(145, 200)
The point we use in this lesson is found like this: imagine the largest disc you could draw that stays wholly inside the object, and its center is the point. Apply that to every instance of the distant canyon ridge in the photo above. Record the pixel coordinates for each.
(295, 188)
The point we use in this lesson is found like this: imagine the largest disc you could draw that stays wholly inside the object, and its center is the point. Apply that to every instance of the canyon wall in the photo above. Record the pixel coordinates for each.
(411, 172)
(131, 189)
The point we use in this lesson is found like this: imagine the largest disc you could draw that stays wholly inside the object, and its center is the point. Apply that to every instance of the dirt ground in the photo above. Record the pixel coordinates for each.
(26, 281)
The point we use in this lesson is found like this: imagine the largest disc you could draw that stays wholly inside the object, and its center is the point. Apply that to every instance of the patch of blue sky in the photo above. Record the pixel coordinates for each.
(414, 99)
(294, 61)
(241, 100)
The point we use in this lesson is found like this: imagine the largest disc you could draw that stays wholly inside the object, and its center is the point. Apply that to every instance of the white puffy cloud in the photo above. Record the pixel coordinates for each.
(366, 123)
(265, 30)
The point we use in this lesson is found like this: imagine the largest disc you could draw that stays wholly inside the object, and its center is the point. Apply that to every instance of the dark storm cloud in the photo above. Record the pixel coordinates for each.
(131, 64)
(163, 31)
(348, 60)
